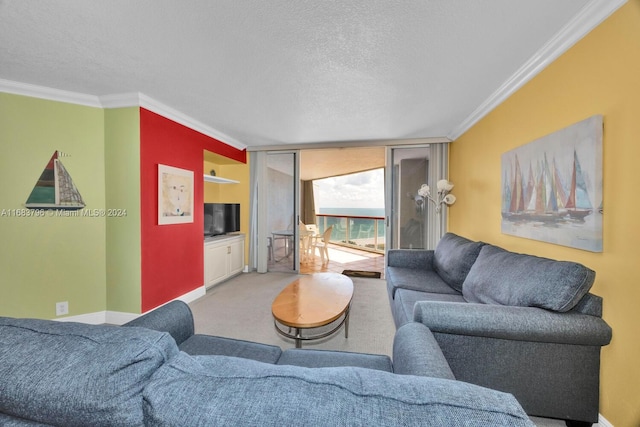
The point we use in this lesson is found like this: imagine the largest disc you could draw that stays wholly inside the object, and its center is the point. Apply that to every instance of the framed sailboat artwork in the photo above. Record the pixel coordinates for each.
(552, 187)
(55, 189)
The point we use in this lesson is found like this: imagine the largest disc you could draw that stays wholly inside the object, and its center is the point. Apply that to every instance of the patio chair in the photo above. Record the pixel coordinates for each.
(365, 231)
(307, 234)
(322, 244)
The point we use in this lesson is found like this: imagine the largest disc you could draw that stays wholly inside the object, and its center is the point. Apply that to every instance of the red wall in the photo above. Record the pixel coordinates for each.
(172, 255)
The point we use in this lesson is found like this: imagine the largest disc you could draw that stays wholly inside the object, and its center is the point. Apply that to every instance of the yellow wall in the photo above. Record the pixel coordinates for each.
(231, 193)
(599, 75)
(211, 189)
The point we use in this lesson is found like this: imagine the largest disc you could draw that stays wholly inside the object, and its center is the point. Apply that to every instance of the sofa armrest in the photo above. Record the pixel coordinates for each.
(410, 258)
(175, 318)
(416, 352)
(512, 323)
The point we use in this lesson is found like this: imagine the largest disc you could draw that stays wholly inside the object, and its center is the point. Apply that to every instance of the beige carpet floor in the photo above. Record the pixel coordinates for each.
(241, 308)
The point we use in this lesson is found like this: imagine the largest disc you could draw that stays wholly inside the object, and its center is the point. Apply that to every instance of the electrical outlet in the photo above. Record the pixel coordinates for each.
(62, 308)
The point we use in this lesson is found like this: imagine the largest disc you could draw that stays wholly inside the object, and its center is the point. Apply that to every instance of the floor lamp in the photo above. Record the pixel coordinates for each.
(442, 197)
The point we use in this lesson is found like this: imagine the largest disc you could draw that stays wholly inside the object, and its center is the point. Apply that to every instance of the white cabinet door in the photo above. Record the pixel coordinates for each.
(223, 259)
(216, 263)
(236, 257)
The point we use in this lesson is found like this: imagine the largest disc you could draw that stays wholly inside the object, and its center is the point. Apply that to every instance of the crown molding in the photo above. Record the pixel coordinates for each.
(134, 99)
(589, 17)
(178, 117)
(352, 143)
(34, 91)
(120, 100)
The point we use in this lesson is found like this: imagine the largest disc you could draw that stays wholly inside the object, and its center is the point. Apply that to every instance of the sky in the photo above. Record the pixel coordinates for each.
(361, 190)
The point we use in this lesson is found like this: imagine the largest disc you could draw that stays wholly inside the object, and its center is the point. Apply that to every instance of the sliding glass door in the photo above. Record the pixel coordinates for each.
(281, 214)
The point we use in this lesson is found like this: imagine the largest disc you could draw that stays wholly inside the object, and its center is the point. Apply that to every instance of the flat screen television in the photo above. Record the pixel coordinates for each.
(221, 218)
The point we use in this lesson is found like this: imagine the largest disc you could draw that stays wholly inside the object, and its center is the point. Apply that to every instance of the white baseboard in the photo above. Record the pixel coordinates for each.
(602, 421)
(96, 318)
(120, 317)
(193, 295)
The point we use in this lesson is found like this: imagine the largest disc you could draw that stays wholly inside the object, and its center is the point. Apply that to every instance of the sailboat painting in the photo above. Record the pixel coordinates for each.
(55, 188)
(552, 187)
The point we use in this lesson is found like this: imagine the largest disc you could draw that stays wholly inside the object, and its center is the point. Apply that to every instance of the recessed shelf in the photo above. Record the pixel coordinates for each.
(219, 180)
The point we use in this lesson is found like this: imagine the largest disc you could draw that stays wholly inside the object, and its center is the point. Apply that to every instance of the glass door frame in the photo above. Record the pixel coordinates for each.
(263, 232)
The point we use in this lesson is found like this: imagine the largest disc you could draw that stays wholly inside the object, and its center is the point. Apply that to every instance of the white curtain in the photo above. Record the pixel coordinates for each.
(257, 229)
(438, 169)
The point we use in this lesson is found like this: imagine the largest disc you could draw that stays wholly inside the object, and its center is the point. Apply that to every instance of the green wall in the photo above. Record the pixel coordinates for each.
(122, 164)
(92, 259)
(44, 260)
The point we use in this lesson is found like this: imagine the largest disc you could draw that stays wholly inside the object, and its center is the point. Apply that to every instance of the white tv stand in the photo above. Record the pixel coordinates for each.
(223, 258)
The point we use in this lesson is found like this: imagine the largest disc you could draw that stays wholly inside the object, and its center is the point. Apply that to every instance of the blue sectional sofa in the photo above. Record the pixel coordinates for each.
(518, 323)
(157, 372)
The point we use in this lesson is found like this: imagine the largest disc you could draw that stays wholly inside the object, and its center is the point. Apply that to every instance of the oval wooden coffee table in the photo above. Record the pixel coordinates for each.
(313, 301)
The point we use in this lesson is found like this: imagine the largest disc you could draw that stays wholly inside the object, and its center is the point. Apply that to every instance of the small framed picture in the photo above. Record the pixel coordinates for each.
(175, 195)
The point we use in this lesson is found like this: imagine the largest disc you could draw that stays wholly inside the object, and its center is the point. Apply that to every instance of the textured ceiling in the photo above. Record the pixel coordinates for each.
(280, 72)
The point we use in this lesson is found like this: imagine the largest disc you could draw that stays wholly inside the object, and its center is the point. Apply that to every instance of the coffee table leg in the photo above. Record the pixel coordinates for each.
(346, 323)
(298, 338)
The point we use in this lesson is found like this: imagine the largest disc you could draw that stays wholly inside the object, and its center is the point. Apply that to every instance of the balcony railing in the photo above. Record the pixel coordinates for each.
(362, 232)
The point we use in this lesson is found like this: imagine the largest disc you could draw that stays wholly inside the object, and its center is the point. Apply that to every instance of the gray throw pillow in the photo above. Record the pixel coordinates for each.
(507, 278)
(453, 258)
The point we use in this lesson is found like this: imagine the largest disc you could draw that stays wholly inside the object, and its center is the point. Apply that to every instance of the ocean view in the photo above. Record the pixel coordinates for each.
(357, 228)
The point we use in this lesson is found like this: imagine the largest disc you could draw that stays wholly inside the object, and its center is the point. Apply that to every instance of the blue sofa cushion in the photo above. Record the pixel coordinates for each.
(507, 278)
(10, 421)
(207, 345)
(417, 280)
(453, 257)
(221, 390)
(327, 358)
(75, 374)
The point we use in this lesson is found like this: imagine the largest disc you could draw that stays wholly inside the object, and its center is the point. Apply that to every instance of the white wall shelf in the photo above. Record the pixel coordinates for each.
(219, 180)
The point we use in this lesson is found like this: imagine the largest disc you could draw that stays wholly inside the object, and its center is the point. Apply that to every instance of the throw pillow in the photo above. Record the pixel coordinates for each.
(507, 278)
(453, 257)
